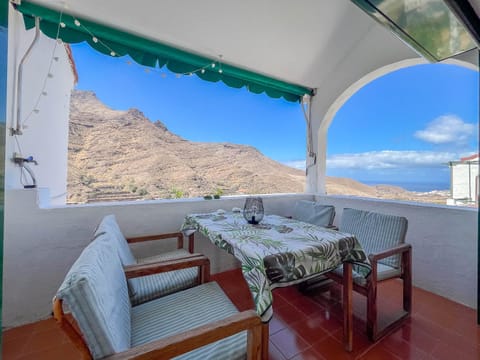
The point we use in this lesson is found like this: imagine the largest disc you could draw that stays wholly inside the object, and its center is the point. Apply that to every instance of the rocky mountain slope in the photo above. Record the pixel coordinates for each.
(122, 155)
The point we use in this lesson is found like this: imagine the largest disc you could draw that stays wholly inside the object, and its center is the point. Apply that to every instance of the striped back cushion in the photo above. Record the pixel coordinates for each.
(95, 290)
(110, 226)
(375, 231)
(314, 213)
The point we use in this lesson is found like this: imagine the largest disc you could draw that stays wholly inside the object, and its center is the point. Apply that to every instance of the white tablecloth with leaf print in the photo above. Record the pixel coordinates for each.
(278, 251)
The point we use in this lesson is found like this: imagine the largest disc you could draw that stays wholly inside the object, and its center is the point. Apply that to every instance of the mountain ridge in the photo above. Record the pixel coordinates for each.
(122, 155)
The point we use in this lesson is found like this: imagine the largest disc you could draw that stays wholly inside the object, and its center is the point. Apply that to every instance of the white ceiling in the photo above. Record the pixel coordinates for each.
(301, 41)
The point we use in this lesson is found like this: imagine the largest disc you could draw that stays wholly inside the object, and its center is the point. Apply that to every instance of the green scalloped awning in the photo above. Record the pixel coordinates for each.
(150, 53)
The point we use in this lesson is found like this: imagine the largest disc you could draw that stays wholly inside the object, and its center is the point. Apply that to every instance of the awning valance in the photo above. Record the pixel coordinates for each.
(115, 42)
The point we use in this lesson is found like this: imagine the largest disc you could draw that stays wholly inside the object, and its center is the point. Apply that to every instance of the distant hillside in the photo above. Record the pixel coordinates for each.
(122, 155)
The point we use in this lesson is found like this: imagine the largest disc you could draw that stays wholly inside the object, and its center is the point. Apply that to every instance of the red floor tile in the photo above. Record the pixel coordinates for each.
(308, 325)
(276, 324)
(310, 329)
(331, 348)
(289, 342)
(274, 353)
(379, 353)
(309, 354)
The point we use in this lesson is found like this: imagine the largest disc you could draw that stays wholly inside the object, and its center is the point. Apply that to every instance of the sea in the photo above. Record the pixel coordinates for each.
(412, 186)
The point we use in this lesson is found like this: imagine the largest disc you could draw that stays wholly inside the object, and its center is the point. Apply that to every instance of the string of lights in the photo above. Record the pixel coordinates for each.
(36, 109)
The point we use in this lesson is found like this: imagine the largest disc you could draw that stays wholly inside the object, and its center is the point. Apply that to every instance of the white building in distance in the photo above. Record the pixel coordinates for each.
(464, 181)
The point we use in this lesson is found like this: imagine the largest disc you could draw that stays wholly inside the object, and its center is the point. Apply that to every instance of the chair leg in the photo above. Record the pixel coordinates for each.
(372, 308)
(407, 281)
(191, 243)
(265, 340)
(372, 324)
(254, 343)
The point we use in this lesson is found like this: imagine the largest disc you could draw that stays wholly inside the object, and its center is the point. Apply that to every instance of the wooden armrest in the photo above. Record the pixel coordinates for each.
(199, 260)
(389, 252)
(177, 235)
(190, 340)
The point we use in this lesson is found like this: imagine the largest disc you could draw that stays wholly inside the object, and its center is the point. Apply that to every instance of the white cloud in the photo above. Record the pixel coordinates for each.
(387, 159)
(297, 164)
(447, 129)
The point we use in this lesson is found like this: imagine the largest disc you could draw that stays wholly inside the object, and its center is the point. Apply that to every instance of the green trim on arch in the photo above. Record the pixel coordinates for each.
(152, 53)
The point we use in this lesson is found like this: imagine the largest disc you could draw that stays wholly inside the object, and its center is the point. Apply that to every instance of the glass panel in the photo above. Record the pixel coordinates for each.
(427, 25)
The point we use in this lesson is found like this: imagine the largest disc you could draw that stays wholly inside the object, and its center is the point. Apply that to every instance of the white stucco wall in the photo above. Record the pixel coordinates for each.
(444, 241)
(45, 135)
(464, 177)
(42, 243)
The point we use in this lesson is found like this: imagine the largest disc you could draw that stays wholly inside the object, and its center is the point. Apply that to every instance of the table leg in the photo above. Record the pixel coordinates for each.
(191, 242)
(347, 306)
(265, 340)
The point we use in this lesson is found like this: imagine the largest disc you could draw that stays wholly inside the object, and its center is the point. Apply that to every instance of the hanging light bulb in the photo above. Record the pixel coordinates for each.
(62, 24)
(76, 22)
(213, 65)
(112, 53)
(59, 41)
(202, 71)
(94, 39)
(220, 70)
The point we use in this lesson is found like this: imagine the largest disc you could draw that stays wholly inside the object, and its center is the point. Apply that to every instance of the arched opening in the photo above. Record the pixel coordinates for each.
(401, 125)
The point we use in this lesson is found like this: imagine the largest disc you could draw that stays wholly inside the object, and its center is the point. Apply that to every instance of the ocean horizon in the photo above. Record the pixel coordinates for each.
(411, 185)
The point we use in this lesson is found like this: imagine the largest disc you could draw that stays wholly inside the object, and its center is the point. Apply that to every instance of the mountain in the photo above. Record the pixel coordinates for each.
(122, 155)
(125, 154)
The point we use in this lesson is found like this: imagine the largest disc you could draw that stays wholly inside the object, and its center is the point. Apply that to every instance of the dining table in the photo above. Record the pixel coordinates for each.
(281, 251)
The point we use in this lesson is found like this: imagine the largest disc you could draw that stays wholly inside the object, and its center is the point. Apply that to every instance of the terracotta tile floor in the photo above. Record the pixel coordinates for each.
(310, 327)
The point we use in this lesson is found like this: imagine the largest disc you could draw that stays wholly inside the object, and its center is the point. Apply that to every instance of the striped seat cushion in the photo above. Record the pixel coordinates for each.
(383, 272)
(96, 292)
(186, 310)
(150, 287)
(375, 232)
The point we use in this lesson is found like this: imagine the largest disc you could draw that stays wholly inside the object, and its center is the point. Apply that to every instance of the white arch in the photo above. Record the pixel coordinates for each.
(349, 92)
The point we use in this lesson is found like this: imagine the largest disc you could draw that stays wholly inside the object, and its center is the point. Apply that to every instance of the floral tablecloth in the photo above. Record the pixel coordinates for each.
(278, 251)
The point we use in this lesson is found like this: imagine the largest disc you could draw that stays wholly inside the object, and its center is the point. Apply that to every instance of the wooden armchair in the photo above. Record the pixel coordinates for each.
(197, 323)
(154, 285)
(383, 238)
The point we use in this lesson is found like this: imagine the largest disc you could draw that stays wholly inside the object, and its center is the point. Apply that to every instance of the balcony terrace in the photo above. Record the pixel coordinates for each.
(43, 236)
(443, 319)
(309, 326)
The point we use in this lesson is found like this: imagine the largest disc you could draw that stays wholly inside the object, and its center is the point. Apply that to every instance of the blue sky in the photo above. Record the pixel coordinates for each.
(403, 127)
